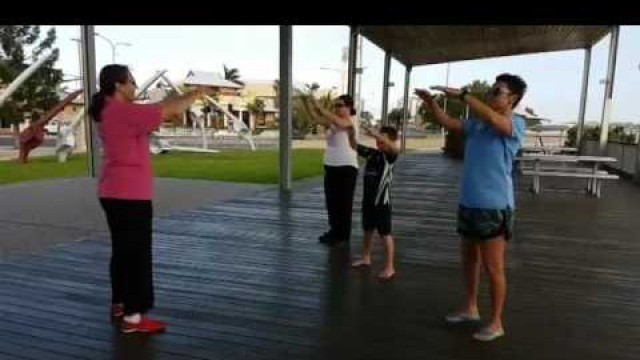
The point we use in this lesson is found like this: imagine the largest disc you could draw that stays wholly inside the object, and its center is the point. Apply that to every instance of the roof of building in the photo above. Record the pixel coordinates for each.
(204, 78)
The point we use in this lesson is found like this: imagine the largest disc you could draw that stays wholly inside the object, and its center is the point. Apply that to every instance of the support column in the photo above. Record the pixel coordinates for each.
(405, 106)
(385, 87)
(583, 97)
(285, 121)
(353, 55)
(608, 92)
(87, 40)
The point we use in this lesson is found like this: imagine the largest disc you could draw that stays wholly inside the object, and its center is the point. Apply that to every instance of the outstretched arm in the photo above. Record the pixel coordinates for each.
(328, 115)
(390, 144)
(501, 123)
(441, 117)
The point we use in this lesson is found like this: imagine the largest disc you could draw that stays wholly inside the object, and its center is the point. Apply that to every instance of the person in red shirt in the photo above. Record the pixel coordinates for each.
(125, 190)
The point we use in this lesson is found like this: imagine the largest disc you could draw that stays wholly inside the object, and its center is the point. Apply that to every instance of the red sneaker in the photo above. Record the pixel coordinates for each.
(145, 325)
(117, 310)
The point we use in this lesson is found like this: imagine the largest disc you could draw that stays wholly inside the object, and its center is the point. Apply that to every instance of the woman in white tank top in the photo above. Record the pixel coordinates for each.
(340, 164)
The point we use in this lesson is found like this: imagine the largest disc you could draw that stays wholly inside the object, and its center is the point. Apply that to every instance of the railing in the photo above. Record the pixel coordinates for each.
(628, 156)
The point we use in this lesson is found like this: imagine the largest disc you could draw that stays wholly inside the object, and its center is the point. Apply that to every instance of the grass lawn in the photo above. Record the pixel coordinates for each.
(41, 168)
(238, 166)
(235, 166)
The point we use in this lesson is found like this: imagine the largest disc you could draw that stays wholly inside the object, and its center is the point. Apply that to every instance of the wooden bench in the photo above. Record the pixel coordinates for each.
(593, 185)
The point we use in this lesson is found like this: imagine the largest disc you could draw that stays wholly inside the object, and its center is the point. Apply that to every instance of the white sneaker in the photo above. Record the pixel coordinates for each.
(461, 317)
(486, 334)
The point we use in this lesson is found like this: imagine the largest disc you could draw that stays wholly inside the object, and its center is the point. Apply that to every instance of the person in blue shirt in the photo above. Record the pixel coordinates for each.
(494, 135)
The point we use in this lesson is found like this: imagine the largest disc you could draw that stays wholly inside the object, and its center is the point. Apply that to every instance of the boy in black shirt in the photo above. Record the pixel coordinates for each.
(376, 202)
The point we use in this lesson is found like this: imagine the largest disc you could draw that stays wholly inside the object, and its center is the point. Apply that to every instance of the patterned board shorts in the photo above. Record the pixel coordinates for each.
(485, 224)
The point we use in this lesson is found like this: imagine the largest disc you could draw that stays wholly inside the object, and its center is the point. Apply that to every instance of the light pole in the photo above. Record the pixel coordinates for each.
(359, 71)
(79, 60)
(342, 85)
(113, 45)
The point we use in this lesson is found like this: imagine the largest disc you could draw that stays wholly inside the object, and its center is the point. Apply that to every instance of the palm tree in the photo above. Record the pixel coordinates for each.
(310, 89)
(232, 74)
(276, 89)
(256, 108)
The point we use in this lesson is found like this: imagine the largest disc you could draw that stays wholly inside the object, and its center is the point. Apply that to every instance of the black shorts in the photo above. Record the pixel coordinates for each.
(484, 224)
(376, 218)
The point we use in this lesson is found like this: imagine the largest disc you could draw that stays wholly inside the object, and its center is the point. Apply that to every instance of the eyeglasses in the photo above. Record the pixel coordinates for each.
(497, 91)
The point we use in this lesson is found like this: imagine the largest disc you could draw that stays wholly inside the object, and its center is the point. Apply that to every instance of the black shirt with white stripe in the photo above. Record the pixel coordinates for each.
(378, 175)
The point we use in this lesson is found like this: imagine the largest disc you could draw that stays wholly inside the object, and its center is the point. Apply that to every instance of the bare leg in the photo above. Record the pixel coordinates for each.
(389, 271)
(366, 250)
(471, 261)
(493, 254)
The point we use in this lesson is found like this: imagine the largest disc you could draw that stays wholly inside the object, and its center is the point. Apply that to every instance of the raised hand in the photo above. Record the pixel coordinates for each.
(449, 92)
(424, 94)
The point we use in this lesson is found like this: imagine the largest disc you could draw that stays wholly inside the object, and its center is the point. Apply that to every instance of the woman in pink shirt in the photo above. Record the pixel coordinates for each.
(126, 190)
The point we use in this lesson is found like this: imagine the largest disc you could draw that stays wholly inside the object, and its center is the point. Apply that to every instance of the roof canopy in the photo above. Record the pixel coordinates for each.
(425, 45)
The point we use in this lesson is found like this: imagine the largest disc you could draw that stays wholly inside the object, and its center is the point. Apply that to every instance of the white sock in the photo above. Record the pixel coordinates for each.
(133, 319)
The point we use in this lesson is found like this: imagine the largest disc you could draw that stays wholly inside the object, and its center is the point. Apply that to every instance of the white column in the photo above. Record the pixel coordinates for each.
(405, 105)
(607, 108)
(583, 96)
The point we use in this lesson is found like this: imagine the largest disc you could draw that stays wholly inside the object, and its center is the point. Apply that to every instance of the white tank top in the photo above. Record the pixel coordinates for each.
(338, 151)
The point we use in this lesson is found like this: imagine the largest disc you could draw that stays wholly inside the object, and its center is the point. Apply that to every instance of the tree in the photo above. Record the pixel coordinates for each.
(455, 108)
(257, 108)
(311, 88)
(395, 117)
(232, 74)
(367, 118)
(39, 93)
(616, 134)
(276, 89)
(301, 118)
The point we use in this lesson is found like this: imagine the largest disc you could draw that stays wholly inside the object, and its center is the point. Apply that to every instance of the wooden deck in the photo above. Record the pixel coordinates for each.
(246, 279)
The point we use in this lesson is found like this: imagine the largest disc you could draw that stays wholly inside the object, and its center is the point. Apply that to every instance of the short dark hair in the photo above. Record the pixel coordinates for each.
(515, 84)
(391, 132)
(348, 100)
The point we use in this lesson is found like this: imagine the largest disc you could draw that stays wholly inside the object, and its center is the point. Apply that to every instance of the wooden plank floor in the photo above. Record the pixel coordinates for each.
(246, 279)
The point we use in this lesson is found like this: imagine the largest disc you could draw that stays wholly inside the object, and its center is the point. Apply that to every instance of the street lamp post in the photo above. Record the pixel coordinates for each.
(113, 45)
(342, 85)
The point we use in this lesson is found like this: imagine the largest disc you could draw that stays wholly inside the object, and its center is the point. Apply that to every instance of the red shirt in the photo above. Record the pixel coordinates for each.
(124, 130)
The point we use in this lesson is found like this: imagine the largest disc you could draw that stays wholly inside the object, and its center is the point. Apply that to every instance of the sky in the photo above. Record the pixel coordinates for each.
(554, 79)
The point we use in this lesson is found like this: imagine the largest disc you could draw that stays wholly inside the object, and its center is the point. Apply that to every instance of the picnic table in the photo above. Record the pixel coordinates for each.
(591, 172)
(549, 150)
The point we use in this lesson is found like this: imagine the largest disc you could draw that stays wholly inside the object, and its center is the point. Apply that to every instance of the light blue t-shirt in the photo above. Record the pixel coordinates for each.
(488, 163)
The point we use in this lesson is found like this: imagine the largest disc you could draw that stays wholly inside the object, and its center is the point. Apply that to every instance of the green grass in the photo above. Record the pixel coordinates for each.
(259, 167)
(237, 166)
(41, 168)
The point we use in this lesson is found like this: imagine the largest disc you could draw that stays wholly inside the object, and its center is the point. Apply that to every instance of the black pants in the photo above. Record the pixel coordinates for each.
(339, 186)
(130, 223)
